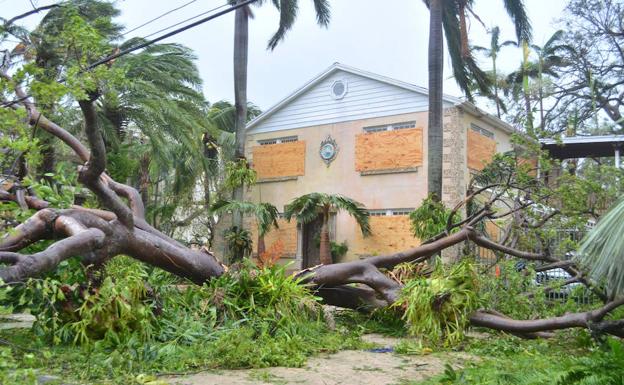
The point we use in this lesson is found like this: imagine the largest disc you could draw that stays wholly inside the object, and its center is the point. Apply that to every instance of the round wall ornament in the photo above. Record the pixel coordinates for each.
(328, 150)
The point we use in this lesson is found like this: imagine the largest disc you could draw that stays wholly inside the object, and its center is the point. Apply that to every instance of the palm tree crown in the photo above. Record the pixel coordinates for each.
(307, 208)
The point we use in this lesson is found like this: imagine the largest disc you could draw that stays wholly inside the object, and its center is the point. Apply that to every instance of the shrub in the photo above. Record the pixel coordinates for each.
(437, 308)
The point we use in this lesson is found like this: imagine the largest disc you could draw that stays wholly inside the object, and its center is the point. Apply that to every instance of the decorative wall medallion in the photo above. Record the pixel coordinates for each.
(328, 150)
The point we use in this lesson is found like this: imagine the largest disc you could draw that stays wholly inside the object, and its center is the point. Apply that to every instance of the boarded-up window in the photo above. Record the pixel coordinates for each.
(279, 160)
(287, 233)
(389, 234)
(389, 150)
(481, 150)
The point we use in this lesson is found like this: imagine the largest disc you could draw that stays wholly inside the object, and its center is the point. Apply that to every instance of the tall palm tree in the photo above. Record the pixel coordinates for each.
(308, 207)
(265, 213)
(451, 15)
(492, 52)
(288, 13)
(549, 60)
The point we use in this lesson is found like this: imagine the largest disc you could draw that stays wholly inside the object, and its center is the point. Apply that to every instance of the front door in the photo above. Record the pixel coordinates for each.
(311, 242)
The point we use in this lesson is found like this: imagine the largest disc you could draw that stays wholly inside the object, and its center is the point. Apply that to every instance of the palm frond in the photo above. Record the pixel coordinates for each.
(516, 10)
(602, 250)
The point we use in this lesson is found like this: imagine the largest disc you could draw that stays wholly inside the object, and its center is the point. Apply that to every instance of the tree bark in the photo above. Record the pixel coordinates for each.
(241, 43)
(436, 69)
(325, 247)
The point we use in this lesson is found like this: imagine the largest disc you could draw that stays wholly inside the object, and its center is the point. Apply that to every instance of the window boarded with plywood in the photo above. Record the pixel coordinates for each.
(389, 150)
(273, 161)
(286, 233)
(389, 234)
(481, 150)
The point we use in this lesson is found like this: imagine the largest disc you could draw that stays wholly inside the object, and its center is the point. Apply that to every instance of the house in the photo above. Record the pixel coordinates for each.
(363, 135)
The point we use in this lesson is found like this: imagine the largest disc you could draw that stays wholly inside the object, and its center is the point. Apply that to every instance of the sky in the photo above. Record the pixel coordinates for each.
(388, 37)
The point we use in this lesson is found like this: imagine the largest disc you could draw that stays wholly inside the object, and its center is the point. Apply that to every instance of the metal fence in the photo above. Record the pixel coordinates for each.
(561, 246)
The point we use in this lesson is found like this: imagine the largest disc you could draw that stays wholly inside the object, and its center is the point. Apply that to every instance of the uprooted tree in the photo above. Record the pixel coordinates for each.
(505, 194)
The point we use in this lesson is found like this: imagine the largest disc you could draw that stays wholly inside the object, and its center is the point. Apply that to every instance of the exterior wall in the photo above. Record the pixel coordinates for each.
(382, 170)
(375, 191)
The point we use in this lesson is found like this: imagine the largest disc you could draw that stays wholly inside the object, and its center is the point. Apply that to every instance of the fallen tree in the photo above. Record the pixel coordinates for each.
(120, 228)
(99, 235)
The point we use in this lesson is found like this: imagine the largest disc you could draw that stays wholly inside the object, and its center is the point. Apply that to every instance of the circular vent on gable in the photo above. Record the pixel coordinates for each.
(339, 89)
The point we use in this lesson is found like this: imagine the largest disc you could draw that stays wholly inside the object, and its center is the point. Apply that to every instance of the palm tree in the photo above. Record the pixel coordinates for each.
(265, 213)
(307, 208)
(492, 52)
(451, 15)
(288, 14)
(548, 61)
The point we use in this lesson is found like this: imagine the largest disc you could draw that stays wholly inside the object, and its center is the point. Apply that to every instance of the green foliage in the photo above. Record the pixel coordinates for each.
(265, 213)
(239, 242)
(338, 250)
(429, 219)
(437, 308)
(514, 361)
(516, 294)
(238, 174)
(141, 320)
(307, 208)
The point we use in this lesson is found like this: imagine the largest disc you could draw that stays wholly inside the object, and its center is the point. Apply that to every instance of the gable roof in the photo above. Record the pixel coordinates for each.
(336, 67)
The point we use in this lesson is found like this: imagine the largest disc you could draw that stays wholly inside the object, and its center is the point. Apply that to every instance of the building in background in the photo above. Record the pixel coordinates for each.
(362, 135)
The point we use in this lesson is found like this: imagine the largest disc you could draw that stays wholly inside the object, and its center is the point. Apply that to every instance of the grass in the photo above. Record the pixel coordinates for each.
(508, 360)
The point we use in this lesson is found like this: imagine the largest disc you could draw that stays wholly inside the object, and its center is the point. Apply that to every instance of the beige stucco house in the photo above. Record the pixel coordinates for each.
(363, 135)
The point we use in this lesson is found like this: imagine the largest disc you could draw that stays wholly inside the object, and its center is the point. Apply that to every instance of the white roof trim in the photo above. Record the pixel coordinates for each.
(337, 66)
(491, 119)
(584, 139)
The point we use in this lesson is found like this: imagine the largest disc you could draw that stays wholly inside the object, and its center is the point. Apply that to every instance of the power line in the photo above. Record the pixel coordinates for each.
(184, 21)
(159, 17)
(148, 43)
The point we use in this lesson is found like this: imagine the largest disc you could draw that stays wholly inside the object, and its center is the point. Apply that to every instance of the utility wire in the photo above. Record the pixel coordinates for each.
(159, 17)
(148, 43)
(184, 21)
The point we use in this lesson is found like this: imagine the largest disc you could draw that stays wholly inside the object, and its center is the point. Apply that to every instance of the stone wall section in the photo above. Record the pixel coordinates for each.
(454, 172)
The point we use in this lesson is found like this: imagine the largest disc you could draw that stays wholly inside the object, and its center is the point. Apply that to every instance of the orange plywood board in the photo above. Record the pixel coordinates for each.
(287, 233)
(389, 235)
(388, 150)
(481, 150)
(279, 160)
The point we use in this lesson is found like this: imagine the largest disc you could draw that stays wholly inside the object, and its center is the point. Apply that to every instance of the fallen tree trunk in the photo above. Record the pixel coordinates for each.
(98, 235)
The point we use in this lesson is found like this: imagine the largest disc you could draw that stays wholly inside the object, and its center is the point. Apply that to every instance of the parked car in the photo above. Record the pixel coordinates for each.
(551, 278)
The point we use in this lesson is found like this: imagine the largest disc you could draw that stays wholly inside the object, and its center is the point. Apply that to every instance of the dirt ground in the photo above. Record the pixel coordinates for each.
(349, 367)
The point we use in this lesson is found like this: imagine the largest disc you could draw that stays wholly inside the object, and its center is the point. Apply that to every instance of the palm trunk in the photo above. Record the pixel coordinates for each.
(498, 114)
(434, 131)
(261, 245)
(325, 249)
(241, 42)
(144, 179)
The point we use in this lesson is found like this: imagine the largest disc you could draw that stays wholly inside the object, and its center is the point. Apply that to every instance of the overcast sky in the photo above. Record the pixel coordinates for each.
(388, 37)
